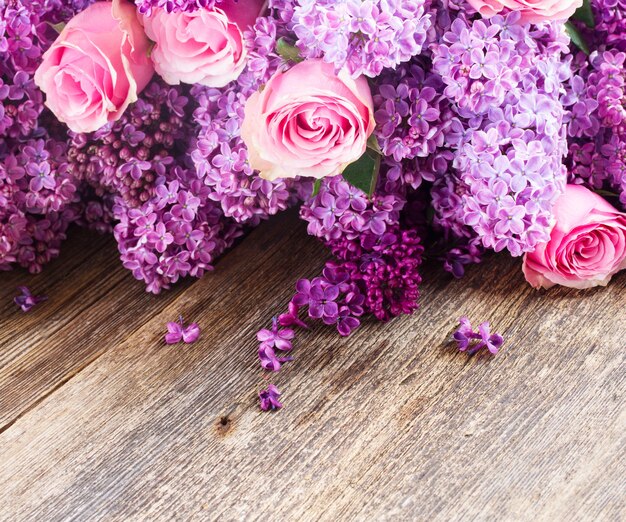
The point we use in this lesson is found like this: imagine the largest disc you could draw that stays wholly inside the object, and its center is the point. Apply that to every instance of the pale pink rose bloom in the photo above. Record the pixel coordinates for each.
(587, 245)
(532, 11)
(96, 67)
(205, 46)
(308, 121)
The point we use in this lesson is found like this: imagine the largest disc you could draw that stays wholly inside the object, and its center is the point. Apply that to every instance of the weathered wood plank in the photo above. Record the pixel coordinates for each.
(90, 298)
(390, 424)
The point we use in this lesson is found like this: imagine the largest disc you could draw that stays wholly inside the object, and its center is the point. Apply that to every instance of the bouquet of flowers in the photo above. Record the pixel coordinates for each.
(401, 128)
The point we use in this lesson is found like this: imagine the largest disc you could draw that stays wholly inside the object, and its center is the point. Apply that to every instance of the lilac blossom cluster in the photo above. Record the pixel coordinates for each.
(375, 250)
(129, 156)
(596, 99)
(508, 137)
(378, 254)
(147, 6)
(365, 37)
(178, 232)
(37, 192)
(220, 157)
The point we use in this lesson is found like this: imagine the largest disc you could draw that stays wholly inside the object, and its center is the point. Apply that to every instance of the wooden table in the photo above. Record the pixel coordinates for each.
(100, 420)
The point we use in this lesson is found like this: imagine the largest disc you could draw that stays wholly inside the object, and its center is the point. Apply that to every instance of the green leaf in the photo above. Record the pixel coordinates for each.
(585, 15)
(316, 187)
(372, 143)
(363, 173)
(606, 193)
(57, 27)
(576, 37)
(288, 52)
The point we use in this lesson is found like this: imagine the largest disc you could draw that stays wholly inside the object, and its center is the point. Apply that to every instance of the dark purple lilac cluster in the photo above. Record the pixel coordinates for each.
(596, 99)
(375, 250)
(378, 254)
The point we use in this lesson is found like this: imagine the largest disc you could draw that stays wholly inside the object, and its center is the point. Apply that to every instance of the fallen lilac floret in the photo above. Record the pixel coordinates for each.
(26, 300)
(177, 332)
(269, 398)
(470, 341)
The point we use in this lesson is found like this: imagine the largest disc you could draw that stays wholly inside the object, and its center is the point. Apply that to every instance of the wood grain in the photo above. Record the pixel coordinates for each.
(390, 424)
(90, 298)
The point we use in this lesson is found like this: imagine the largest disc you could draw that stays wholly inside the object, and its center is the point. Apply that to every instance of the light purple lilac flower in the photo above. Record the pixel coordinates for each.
(365, 37)
(470, 341)
(177, 332)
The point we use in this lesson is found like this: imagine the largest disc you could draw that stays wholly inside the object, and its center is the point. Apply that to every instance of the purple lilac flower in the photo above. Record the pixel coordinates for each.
(279, 338)
(290, 318)
(271, 340)
(147, 6)
(411, 112)
(365, 37)
(508, 136)
(130, 156)
(470, 341)
(26, 300)
(464, 334)
(177, 331)
(269, 398)
(220, 157)
(37, 194)
(595, 97)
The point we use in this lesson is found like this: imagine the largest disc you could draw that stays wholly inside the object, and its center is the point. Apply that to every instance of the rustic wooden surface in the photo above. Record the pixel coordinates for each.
(100, 420)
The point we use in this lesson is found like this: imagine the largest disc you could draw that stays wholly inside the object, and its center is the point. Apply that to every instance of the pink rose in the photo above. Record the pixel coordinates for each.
(308, 121)
(587, 245)
(205, 46)
(532, 11)
(96, 67)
